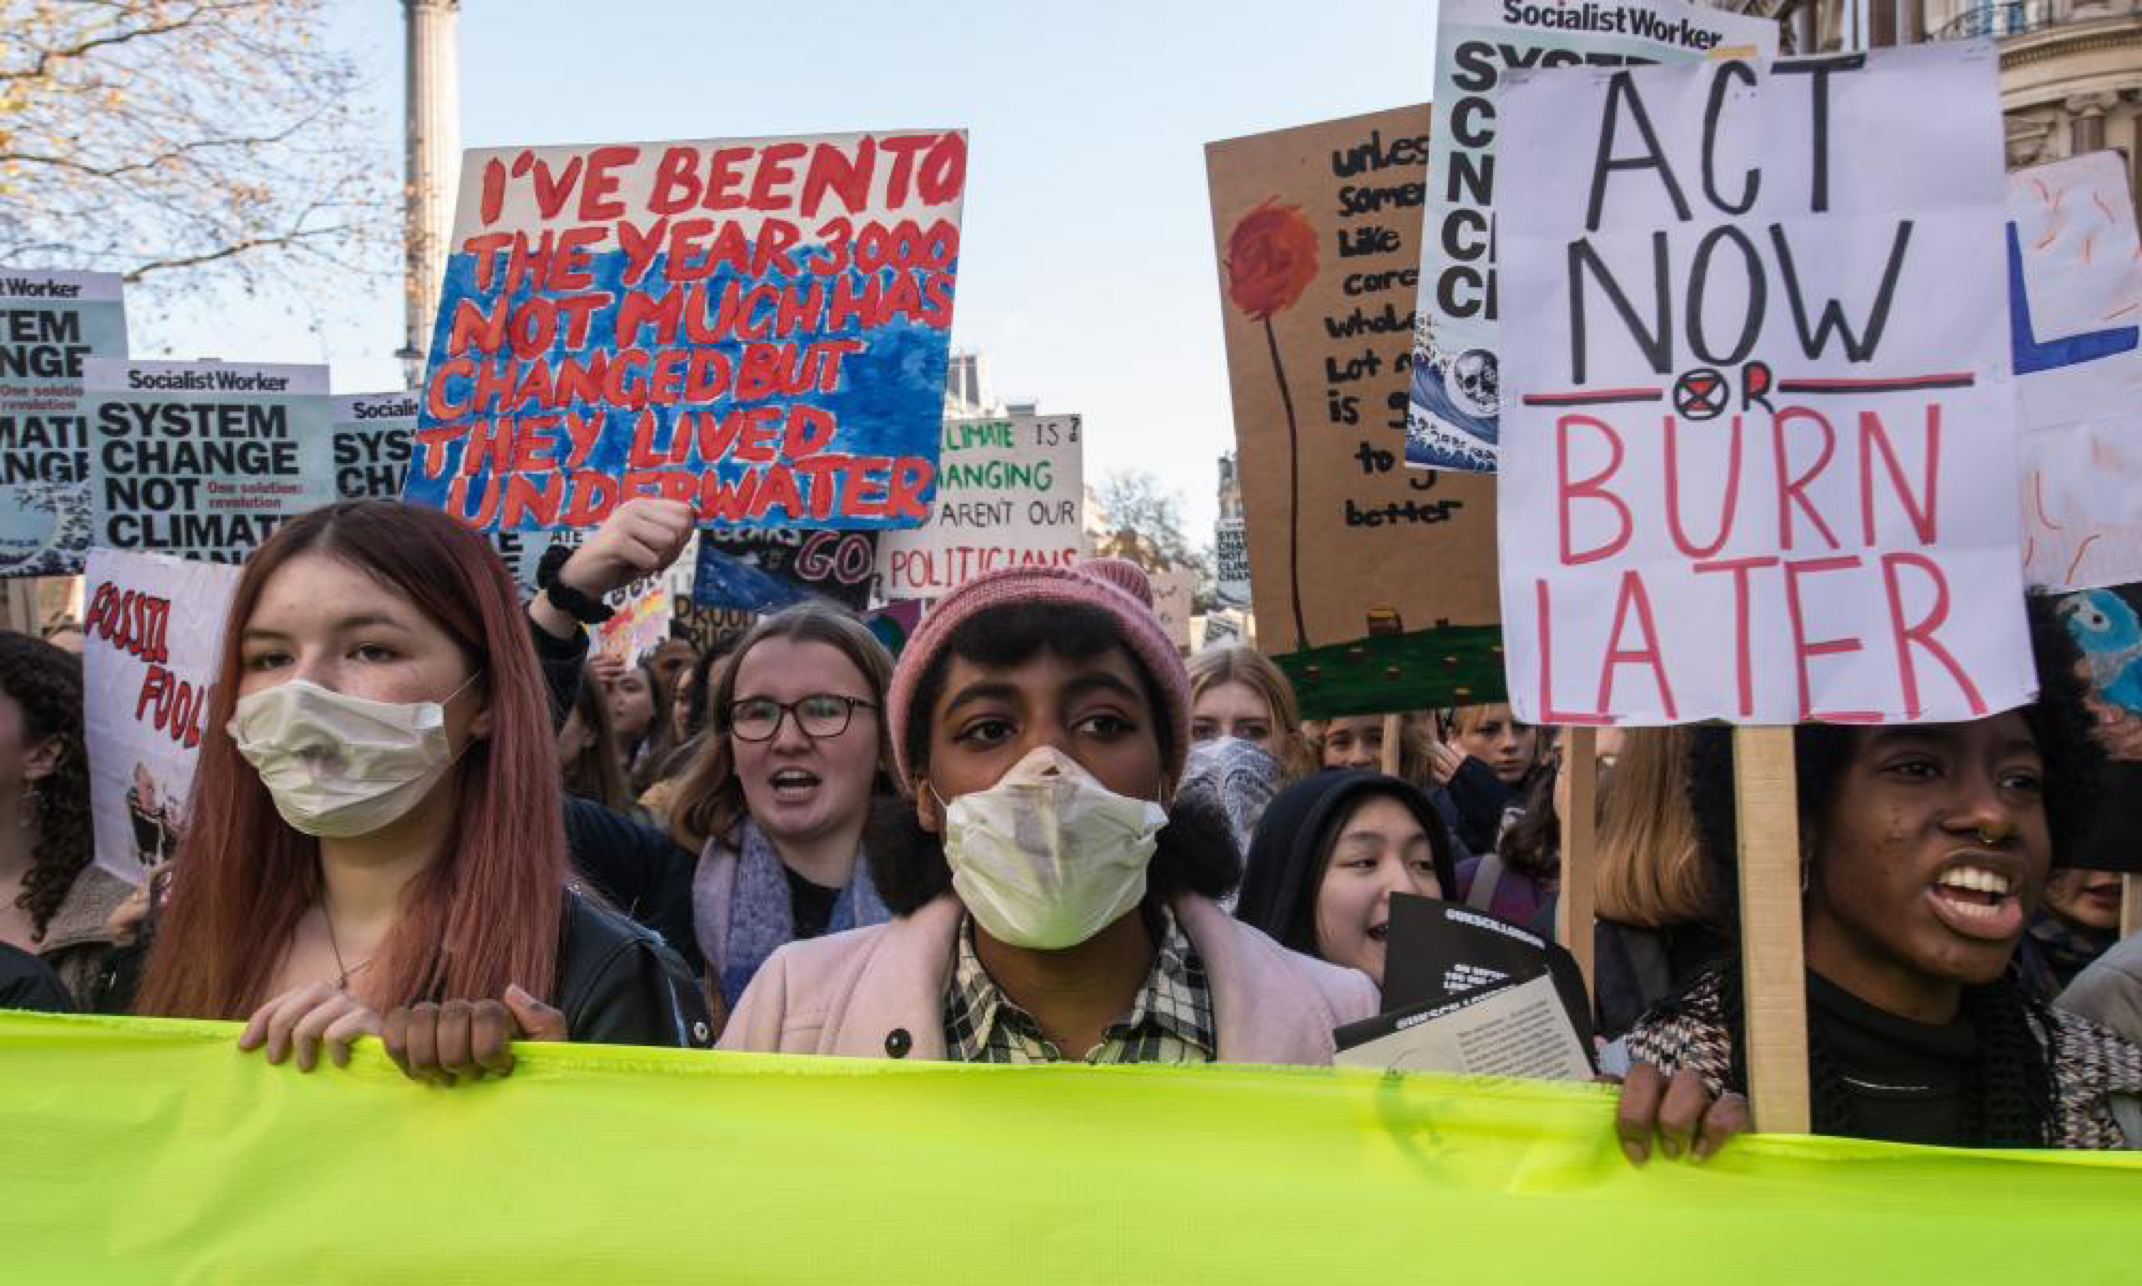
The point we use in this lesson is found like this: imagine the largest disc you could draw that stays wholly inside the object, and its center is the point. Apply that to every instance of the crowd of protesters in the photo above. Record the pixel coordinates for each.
(423, 812)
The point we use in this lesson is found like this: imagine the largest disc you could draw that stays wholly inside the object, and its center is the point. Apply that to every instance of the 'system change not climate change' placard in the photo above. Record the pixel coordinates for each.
(205, 459)
(1456, 385)
(1761, 454)
(757, 327)
(371, 433)
(51, 323)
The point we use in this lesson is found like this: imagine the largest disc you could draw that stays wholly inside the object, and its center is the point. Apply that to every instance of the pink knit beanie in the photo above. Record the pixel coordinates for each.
(1112, 585)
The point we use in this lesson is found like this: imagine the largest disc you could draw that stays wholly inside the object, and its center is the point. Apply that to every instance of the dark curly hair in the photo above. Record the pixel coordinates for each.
(2010, 1100)
(46, 683)
(1011, 635)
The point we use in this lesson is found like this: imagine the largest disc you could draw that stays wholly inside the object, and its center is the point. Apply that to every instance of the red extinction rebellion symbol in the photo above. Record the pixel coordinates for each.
(1700, 394)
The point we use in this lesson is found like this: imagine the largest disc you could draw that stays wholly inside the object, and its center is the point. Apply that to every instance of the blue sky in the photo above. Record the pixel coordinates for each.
(1086, 266)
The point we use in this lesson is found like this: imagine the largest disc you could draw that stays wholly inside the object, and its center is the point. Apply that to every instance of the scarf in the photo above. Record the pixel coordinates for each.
(2068, 948)
(760, 918)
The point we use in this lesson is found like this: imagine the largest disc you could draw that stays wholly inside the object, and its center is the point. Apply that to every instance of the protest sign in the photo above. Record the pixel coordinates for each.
(1230, 556)
(704, 627)
(1219, 627)
(1174, 588)
(639, 625)
(50, 324)
(1456, 388)
(371, 432)
(2075, 315)
(768, 570)
(2106, 624)
(757, 327)
(1759, 434)
(1010, 493)
(154, 630)
(1373, 582)
(1125, 1165)
(205, 459)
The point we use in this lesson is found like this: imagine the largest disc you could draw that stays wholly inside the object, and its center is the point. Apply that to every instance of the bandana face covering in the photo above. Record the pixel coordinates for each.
(1048, 857)
(341, 766)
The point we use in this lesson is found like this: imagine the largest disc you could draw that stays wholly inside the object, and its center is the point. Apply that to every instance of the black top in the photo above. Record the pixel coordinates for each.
(638, 870)
(28, 983)
(619, 985)
(1481, 798)
(810, 905)
(1907, 1081)
(561, 660)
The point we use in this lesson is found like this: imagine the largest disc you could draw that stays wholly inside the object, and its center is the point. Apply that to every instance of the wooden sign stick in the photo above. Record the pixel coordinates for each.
(2130, 905)
(1574, 907)
(1772, 954)
(1394, 731)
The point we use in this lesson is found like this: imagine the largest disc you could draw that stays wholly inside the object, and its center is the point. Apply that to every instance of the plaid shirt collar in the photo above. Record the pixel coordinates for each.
(1169, 1022)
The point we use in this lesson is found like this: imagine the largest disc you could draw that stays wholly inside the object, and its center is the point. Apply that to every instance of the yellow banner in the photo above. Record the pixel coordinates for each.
(156, 1152)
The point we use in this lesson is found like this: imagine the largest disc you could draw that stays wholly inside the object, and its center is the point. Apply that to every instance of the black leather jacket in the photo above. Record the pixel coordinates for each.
(619, 984)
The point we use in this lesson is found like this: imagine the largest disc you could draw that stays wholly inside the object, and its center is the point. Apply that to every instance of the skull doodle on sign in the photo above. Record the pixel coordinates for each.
(1474, 374)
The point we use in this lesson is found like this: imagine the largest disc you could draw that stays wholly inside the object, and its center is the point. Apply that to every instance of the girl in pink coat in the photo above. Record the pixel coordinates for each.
(1047, 904)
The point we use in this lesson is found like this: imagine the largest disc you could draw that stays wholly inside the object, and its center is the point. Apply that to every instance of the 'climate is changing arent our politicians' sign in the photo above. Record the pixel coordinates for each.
(757, 327)
(1760, 433)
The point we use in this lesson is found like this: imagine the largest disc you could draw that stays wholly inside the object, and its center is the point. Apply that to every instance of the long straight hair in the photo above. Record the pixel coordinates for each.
(487, 913)
(596, 772)
(1650, 870)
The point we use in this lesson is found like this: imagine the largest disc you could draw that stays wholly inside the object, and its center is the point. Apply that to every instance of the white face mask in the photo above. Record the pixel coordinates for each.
(1048, 857)
(341, 766)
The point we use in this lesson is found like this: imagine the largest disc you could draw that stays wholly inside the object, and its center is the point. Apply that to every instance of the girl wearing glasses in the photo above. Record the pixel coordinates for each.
(783, 789)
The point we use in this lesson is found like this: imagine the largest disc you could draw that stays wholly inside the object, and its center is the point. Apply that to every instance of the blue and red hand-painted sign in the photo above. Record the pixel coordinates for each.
(757, 327)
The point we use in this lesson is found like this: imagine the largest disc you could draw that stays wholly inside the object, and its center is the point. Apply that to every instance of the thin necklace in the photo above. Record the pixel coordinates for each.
(343, 973)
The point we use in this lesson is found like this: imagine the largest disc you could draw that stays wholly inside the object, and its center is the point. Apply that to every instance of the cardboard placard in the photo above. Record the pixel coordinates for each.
(50, 324)
(371, 433)
(758, 327)
(205, 459)
(1317, 234)
(154, 630)
(1010, 493)
(1452, 421)
(1758, 428)
(2075, 317)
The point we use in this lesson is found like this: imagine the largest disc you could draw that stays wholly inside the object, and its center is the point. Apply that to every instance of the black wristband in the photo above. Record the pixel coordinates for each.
(587, 611)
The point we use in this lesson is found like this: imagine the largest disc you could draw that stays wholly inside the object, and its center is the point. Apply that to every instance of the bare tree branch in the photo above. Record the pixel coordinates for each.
(189, 144)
